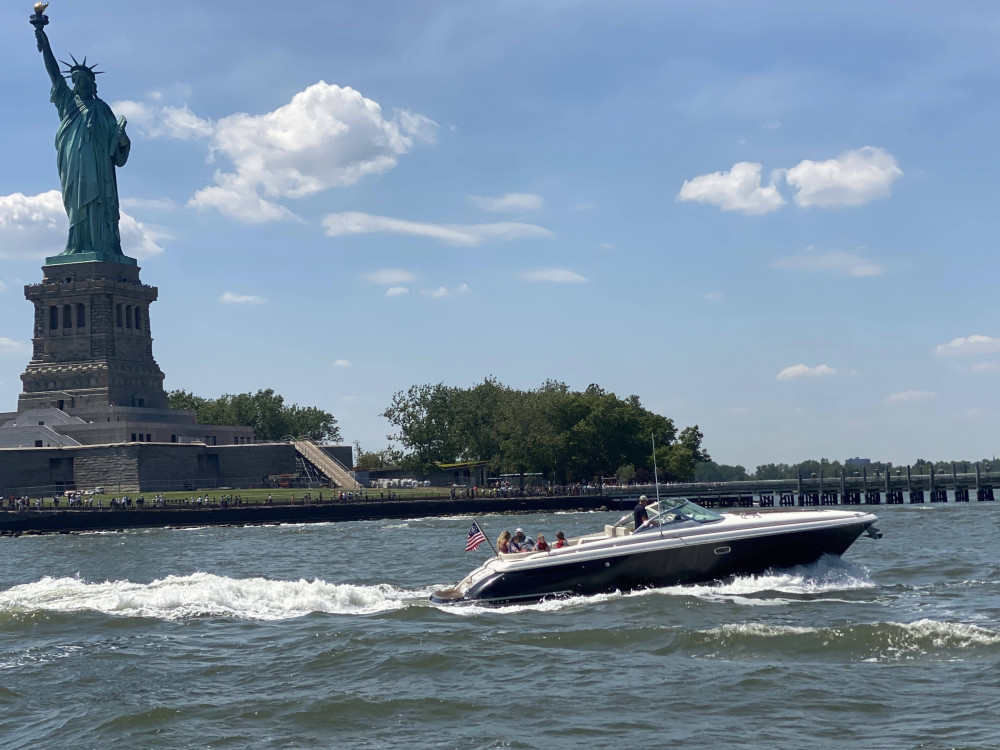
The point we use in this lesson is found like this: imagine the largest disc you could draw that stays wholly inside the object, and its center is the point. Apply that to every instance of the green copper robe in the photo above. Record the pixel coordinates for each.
(88, 149)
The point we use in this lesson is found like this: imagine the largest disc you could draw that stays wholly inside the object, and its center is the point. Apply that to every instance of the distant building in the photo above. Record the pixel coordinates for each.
(857, 462)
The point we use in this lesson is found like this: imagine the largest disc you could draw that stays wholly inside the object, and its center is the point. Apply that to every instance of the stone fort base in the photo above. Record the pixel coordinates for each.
(141, 467)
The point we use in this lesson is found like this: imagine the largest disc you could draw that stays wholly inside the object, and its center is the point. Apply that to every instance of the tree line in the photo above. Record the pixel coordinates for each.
(710, 471)
(266, 411)
(552, 431)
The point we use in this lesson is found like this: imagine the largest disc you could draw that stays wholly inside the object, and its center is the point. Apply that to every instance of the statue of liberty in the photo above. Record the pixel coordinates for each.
(90, 143)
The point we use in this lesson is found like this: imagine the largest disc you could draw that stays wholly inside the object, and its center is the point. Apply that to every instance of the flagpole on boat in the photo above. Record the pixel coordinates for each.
(475, 520)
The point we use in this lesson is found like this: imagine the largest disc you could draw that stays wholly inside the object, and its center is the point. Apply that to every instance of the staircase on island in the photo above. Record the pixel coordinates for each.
(326, 465)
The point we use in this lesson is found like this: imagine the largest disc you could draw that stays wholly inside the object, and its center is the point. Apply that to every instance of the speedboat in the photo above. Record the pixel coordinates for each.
(680, 543)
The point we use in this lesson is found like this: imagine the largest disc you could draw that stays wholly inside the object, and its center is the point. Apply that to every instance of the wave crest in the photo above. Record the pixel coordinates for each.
(202, 595)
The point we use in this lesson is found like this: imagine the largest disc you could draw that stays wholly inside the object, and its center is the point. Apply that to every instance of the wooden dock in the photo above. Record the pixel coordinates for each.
(894, 488)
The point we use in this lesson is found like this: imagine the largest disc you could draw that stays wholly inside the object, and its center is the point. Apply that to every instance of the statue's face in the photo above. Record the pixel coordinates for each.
(84, 86)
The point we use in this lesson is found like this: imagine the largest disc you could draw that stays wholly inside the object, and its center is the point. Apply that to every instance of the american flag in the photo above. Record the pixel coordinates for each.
(476, 537)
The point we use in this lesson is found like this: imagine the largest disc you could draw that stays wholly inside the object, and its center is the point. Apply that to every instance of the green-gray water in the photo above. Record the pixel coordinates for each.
(321, 637)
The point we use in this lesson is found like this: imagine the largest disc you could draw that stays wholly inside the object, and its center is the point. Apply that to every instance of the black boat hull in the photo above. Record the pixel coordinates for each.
(670, 566)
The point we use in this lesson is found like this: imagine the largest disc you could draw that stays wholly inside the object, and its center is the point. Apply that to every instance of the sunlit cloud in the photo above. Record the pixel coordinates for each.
(804, 371)
(853, 178)
(390, 276)
(442, 291)
(511, 202)
(327, 136)
(553, 275)
(468, 235)
(35, 226)
(156, 121)
(231, 298)
(975, 345)
(739, 189)
(342, 363)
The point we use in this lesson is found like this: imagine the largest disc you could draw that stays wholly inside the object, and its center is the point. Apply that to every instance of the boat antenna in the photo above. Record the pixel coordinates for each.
(656, 477)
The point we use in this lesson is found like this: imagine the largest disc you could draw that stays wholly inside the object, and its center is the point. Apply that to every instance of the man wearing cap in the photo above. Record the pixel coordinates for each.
(639, 514)
(521, 543)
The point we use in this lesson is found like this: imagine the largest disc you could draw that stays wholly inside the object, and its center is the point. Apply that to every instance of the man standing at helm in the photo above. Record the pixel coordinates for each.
(90, 143)
(639, 514)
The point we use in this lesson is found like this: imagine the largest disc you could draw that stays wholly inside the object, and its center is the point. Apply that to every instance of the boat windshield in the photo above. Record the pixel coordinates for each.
(673, 510)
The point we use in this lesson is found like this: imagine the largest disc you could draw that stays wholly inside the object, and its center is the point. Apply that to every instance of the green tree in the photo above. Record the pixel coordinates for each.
(563, 434)
(265, 411)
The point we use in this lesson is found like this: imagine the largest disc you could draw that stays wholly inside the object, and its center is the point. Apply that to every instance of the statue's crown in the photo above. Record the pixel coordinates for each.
(80, 67)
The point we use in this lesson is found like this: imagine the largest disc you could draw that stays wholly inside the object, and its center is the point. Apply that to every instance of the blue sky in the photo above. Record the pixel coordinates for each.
(775, 220)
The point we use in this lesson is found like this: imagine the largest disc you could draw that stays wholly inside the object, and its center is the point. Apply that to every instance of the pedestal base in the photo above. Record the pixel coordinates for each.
(90, 257)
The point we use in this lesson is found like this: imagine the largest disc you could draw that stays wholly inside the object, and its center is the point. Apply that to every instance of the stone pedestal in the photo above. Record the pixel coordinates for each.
(92, 345)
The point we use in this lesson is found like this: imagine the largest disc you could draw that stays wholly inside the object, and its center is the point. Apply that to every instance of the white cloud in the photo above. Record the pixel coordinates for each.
(713, 295)
(607, 246)
(231, 199)
(390, 276)
(469, 235)
(739, 189)
(3, 287)
(326, 136)
(510, 202)
(975, 345)
(443, 291)
(396, 291)
(804, 371)
(740, 410)
(138, 239)
(416, 125)
(553, 275)
(9, 346)
(231, 298)
(895, 398)
(35, 226)
(853, 178)
(342, 363)
(155, 121)
(842, 263)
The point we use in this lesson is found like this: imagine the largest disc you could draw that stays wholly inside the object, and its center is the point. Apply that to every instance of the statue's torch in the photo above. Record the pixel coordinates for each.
(38, 19)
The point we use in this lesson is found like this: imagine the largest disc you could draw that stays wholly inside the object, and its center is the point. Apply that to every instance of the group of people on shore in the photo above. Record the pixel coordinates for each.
(508, 543)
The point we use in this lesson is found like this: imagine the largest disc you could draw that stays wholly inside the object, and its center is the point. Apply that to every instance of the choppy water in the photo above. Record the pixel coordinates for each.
(321, 636)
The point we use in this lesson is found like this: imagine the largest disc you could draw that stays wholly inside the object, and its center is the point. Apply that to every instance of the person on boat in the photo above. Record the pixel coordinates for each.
(639, 514)
(541, 545)
(561, 540)
(521, 543)
(503, 542)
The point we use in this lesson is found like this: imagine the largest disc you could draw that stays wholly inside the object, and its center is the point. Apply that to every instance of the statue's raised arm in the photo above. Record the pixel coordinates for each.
(51, 65)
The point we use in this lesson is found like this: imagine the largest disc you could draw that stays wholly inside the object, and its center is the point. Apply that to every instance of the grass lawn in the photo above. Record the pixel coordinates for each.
(256, 496)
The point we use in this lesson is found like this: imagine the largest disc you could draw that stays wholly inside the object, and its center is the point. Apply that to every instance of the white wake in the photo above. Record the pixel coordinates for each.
(204, 595)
